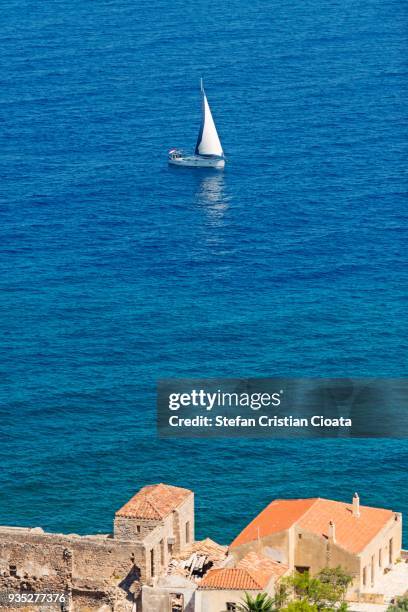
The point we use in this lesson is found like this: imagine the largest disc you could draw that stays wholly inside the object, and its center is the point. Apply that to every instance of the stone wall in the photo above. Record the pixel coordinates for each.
(183, 516)
(96, 570)
(158, 549)
(376, 556)
(126, 528)
(316, 552)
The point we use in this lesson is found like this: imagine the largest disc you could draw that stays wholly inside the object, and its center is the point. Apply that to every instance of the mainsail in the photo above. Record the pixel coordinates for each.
(208, 142)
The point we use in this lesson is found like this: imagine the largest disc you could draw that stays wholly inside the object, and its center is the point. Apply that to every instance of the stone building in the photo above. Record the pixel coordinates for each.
(162, 518)
(310, 534)
(103, 572)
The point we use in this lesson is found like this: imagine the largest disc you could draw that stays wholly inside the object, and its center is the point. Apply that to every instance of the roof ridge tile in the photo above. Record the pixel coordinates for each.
(315, 500)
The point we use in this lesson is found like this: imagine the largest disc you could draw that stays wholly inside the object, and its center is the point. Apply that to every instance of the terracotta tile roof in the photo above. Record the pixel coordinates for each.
(278, 516)
(313, 515)
(260, 563)
(352, 533)
(235, 578)
(154, 502)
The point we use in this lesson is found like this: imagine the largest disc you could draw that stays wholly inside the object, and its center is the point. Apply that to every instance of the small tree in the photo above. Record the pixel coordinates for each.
(337, 579)
(300, 605)
(308, 589)
(401, 605)
(260, 603)
(336, 582)
(325, 591)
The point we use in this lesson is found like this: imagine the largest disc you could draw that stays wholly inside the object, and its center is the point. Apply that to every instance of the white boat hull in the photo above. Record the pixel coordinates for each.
(195, 161)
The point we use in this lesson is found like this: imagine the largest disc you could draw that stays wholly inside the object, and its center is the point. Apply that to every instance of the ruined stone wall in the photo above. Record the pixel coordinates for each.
(96, 570)
(27, 558)
(159, 597)
(110, 560)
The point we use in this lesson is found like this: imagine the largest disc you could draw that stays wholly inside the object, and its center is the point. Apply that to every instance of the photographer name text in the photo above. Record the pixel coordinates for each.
(238, 421)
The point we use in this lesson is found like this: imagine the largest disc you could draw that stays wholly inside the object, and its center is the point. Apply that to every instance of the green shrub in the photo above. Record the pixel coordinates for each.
(401, 605)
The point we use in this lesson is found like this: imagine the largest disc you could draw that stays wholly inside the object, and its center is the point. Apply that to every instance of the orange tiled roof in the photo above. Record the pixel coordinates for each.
(313, 515)
(352, 533)
(154, 502)
(260, 563)
(235, 578)
(278, 516)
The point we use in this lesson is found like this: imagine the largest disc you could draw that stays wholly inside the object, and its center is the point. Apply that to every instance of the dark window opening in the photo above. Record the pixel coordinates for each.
(152, 562)
(162, 552)
(390, 551)
(187, 532)
(231, 606)
(138, 528)
(13, 570)
(365, 576)
(302, 569)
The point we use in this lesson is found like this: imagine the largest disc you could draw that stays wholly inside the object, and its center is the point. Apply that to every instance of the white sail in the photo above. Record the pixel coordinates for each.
(208, 142)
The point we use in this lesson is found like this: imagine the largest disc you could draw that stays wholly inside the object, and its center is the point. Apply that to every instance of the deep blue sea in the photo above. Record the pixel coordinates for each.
(117, 270)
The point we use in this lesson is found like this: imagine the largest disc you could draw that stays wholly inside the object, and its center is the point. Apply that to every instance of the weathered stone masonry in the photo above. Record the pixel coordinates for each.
(101, 572)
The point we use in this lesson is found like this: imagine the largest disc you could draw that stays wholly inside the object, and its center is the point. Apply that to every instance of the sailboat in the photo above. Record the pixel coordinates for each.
(208, 152)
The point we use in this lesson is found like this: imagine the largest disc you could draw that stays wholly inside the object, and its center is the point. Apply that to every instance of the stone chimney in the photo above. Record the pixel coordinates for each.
(332, 532)
(356, 505)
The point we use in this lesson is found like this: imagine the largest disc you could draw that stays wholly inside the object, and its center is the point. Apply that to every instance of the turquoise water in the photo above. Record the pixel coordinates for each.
(117, 270)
